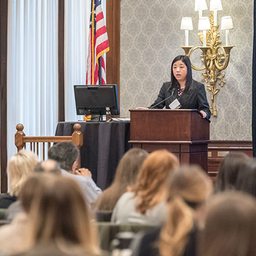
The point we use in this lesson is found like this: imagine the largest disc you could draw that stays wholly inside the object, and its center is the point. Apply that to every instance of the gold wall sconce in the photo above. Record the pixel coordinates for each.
(214, 56)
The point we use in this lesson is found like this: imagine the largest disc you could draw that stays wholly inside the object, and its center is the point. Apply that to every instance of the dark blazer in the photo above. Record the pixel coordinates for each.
(194, 98)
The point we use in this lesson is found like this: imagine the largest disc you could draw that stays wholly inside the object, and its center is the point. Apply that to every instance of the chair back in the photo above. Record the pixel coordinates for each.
(3, 213)
(103, 216)
(120, 246)
(40, 144)
(108, 232)
(4, 222)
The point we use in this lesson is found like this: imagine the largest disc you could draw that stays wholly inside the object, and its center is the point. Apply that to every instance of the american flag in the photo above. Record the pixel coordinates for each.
(98, 45)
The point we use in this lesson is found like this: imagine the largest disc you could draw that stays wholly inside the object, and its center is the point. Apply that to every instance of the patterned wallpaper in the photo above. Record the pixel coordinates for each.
(151, 38)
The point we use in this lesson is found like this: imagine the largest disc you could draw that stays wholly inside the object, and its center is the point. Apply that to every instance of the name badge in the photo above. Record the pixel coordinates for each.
(175, 104)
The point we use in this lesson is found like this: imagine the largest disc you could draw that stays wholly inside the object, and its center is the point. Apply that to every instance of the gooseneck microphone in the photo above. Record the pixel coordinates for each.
(158, 103)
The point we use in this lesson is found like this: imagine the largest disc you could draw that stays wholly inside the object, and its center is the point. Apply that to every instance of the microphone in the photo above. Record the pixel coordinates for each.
(158, 103)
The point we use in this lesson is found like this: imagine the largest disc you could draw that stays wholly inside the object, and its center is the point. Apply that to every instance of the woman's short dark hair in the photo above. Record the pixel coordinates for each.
(186, 61)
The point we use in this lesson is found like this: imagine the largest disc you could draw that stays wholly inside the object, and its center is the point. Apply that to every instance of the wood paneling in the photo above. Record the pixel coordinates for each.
(218, 149)
(113, 56)
(3, 92)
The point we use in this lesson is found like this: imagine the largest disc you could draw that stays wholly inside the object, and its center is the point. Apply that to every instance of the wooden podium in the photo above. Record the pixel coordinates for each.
(182, 132)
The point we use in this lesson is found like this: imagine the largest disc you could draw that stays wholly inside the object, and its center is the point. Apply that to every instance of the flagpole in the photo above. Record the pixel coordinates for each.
(92, 44)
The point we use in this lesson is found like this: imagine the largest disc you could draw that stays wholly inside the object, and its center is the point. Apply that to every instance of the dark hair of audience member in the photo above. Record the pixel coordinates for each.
(59, 215)
(65, 153)
(20, 167)
(151, 179)
(230, 225)
(228, 171)
(246, 180)
(126, 174)
(188, 189)
(49, 165)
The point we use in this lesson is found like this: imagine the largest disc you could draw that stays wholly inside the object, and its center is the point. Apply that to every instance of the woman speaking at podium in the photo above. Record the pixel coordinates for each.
(182, 92)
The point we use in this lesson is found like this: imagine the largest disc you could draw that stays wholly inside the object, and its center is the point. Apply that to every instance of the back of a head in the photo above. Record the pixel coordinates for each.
(229, 169)
(59, 214)
(65, 154)
(246, 180)
(129, 166)
(152, 177)
(190, 183)
(155, 169)
(33, 185)
(230, 225)
(126, 174)
(20, 167)
(49, 165)
(188, 189)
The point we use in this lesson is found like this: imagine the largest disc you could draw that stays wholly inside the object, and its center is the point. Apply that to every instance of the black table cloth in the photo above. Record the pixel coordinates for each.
(104, 144)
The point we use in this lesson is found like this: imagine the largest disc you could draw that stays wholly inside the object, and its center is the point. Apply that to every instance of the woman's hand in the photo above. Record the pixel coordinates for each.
(203, 113)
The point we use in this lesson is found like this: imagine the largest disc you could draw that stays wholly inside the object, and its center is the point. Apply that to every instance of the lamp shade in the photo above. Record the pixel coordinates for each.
(200, 5)
(215, 5)
(226, 23)
(204, 23)
(186, 23)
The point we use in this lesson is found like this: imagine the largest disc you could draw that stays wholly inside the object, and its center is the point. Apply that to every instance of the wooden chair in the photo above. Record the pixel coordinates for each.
(43, 143)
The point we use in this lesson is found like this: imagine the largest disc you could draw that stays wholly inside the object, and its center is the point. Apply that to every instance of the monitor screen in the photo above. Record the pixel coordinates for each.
(94, 99)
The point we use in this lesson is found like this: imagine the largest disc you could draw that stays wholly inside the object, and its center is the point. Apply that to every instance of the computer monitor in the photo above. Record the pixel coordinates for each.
(95, 99)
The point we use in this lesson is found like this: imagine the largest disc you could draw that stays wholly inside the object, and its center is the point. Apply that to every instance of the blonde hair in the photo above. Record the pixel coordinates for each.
(126, 174)
(188, 188)
(230, 225)
(59, 215)
(20, 167)
(152, 177)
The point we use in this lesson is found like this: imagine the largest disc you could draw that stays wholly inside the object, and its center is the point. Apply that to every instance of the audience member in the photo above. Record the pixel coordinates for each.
(230, 225)
(228, 171)
(67, 154)
(126, 174)
(246, 180)
(58, 219)
(50, 166)
(188, 190)
(11, 235)
(20, 167)
(146, 201)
